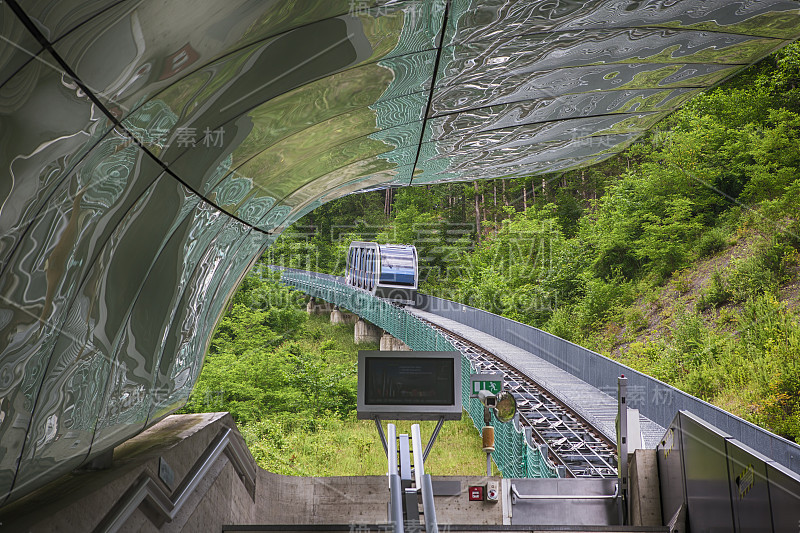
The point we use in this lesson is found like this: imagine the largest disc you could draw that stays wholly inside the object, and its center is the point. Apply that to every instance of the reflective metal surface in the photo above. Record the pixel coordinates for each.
(721, 483)
(151, 151)
(749, 487)
(577, 502)
(784, 498)
(506, 407)
(705, 467)
(669, 454)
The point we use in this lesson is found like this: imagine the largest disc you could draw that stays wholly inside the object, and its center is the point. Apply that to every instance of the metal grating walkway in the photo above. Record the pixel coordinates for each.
(598, 409)
(570, 442)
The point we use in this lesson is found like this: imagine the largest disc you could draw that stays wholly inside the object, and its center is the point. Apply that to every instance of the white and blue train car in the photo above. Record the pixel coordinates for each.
(385, 270)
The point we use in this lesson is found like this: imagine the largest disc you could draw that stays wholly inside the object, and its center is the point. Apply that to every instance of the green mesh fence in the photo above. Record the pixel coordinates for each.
(514, 455)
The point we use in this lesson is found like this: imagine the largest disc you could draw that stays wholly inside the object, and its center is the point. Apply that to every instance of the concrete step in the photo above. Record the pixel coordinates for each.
(448, 528)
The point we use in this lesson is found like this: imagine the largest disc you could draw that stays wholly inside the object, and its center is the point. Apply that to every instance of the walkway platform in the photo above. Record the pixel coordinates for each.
(595, 406)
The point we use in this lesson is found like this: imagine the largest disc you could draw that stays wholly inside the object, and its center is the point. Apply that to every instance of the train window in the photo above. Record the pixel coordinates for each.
(370, 271)
(366, 269)
(373, 267)
(358, 267)
(375, 271)
(361, 266)
(355, 267)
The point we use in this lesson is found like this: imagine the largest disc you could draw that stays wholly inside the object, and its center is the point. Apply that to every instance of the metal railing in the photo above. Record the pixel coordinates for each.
(655, 399)
(515, 453)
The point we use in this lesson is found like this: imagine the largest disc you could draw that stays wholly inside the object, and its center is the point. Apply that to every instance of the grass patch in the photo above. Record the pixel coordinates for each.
(331, 446)
(352, 448)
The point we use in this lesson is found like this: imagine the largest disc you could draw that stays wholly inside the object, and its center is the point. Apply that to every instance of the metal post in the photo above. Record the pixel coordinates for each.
(622, 446)
(431, 525)
(395, 487)
(433, 438)
(396, 503)
(423, 481)
(380, 432)
(392, 442)
(419, 462)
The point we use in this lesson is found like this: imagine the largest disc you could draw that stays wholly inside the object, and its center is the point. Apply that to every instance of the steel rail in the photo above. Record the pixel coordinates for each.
(570, 440)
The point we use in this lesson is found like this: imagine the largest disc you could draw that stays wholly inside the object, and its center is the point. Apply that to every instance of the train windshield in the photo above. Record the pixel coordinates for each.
(398, 266)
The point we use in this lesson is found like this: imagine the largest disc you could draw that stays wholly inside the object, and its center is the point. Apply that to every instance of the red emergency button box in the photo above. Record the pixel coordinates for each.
(476, 493)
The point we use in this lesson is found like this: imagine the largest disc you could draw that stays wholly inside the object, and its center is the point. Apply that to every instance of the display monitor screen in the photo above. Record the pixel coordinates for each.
(409, 381)
(409, 385)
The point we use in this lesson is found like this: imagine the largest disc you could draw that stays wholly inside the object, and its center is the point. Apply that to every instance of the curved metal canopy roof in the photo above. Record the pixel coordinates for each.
(151, 150)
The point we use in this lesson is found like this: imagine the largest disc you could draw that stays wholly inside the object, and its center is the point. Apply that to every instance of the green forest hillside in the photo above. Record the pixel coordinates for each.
(678, 257)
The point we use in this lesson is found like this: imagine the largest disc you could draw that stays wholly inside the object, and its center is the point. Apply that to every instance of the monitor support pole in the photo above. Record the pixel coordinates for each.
(380, 432)
(433, 438)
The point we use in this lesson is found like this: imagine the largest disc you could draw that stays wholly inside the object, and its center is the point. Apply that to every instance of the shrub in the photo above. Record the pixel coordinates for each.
(603, 300)
(716, 294)
(712, 242)
(728, 317)
(751, 277)
(704, 382)
(780, 409)
(789, 265)
(681, 283)
(693, 341)
(764, 319)
(635, 319)
(563, 323)
(781, 256)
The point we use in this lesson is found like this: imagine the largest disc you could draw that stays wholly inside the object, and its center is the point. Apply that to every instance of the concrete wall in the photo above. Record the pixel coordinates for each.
(390, 343)
(645, 494)
(358, 500)
(81, 501)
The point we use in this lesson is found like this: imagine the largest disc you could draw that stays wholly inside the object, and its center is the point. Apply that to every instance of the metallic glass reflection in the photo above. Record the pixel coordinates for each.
(473, 20)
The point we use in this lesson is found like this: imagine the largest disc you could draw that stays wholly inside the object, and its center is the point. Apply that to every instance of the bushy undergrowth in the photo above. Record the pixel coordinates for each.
(289, 381)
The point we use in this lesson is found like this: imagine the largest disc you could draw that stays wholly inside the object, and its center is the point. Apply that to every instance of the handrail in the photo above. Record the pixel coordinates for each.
(395, 487)
(165, 506)
(423, 480)
(515, 493)
(419, 461)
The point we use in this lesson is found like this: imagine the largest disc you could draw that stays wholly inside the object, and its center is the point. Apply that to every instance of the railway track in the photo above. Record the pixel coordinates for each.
(571, 441)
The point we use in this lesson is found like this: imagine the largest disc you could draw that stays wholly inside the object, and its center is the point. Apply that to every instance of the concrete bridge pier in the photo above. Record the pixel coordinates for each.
(389, 343)
(318, 307)
(342, 317)
(364, 332)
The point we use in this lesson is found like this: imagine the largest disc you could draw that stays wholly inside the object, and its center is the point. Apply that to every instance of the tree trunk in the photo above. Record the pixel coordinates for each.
(583, 185)
(525, 197)
(477, 213)
(483, 204)
(494, 193)
(387, 201)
